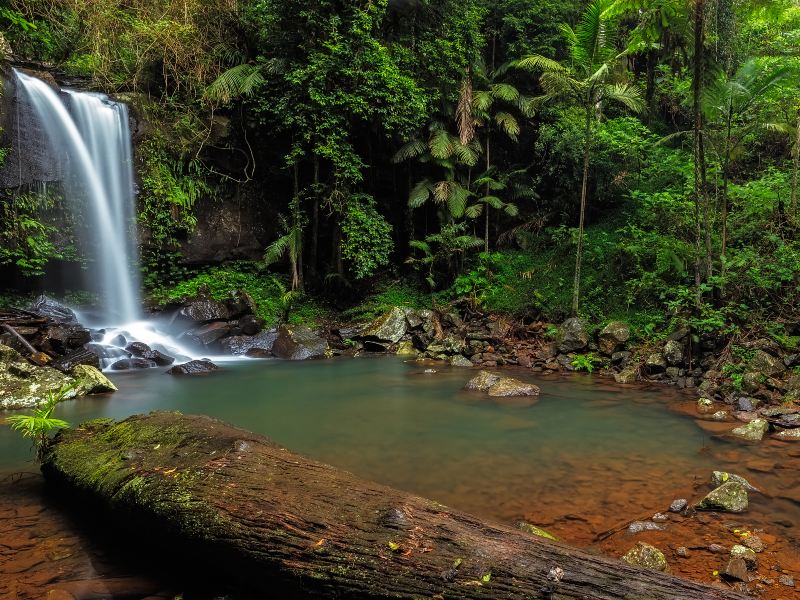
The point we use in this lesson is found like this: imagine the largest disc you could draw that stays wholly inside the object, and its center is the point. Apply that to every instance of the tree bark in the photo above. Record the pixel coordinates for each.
(795, 168)
(576, 289)
(289, 527)
(699, 158)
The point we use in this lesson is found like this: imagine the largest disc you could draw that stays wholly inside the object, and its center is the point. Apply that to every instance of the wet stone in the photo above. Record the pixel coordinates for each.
(646, 556)
(786, 580)
(682, 551)
(746, 554)
(482, 381)
(729, 497)
(755, 543)
(736, 570)
(720, 477)
(640, 526)
(678, 505)
(660, 518)
(754, 431)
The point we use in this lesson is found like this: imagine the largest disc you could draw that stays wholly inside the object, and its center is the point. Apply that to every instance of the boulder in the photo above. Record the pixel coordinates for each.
(673, 353)
(656, 363)
(239, 305)
(210, 332)
(239, 345)
(621, 358)
(789, 418)
(132, 363)
(613, 337)
(482, 381)
(390, 327)
(647, 557)
(63, 339)
(460, 361)
(678, 505)
(766, 364)
(508, 387)
(158, 357)
(729, 497)
(406, 348)
(753, 431)
(258, 353)
(53, 310)
(720, 477)
(573, 335)
(137, 348)
(23, 385)
(91, 381)
(81, 356)
(194, 367)
(205, 309)
(251, 325)
(627, 375)
(297, 342)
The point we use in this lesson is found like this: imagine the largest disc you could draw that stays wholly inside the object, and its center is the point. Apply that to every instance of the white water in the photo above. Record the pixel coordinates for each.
(91, 134)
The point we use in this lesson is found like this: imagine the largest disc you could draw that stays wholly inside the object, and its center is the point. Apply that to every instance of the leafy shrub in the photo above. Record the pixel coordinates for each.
(388, 295)
(41, 423)
(367, 237)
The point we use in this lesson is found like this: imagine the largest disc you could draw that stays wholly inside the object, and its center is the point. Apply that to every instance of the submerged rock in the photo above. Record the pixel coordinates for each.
(23, 385)
(482, 381)
(194, 367)
(508, 387)
(678, 505)
(647, 557)
(736, 570)
(91, 381)
(720, 477)
(299, 343)
(640, 526)
(537, 531)
(788, 435)
(753, 431)
(729, 497)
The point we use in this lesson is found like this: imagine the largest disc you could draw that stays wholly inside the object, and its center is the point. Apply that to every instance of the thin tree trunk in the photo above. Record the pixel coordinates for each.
(697, 75)
(576, 290)
(725, 167)
(486, 206)
(795, 169)
(314, 259)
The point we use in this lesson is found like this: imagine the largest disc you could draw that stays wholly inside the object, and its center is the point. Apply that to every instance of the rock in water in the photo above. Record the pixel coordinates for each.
(482, 381)
(298, 343)
(132, 363)
(613, 337)
(646, 556)
(390, 327)
(211, 332)
(730, 497)
(137, 348)
(241, 344)
(788, 434)
(460, 361)
(573, 335)
(82, 356)
(640, 526)
(736, 570)
(52, 309)
(194, 367)
(753, 431)
(158, 357)
(678, 505)
(23, 385)
(91, 381)
(627, 375)
(746, 554)
(720, 477)
(508, 387)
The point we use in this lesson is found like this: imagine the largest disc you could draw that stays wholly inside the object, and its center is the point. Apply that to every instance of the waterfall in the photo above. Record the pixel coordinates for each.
(91, 133)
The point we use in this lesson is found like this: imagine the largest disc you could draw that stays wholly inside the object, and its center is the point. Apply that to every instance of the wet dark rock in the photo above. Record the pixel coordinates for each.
(211, 332)
(118, 340)
(62, 339)
(194, 367)
(767, 364)
(720, 477)
(788, 419)
(791, 360)
(251, 325)
(298, 343)
(620, 358)
(678, 505)
(241, 344)
(132, 363)
(729, 497)
(158, 357)
(240, 304)
(746, 404)
(54, 310)
(573, 335)
(613, 337)
(82, 356)
(673, 353)
(138, 348)
(482, 381)
(258, 353)
(736, 570)
(647, 557)
(640, 526)
(390, 327)
(205, 309)
(679, 334)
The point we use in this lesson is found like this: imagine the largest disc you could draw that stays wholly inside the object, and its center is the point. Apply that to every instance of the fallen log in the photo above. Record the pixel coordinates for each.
(290, 527)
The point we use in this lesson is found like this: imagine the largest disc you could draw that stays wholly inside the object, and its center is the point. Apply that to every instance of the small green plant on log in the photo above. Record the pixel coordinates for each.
(39, 425)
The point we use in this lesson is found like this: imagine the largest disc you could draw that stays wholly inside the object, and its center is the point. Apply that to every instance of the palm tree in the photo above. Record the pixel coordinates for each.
(290, 243)
(589, 80)
(485, 103)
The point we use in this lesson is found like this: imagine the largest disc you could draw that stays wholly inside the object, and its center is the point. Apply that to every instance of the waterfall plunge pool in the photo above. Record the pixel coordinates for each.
(586, 460)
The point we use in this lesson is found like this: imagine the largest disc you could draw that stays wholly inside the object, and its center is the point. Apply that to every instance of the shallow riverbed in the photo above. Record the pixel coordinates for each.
(586, 459)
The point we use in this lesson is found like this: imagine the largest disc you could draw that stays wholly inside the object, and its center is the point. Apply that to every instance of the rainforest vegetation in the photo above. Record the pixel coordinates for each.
(541, 158)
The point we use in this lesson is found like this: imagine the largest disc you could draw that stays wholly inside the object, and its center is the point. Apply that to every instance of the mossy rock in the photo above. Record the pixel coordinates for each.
(731, 496)
(91, 381)
(647, 557)
(753, 431)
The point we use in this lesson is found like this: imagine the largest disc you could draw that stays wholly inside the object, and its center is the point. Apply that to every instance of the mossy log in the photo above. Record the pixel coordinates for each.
(290, 527)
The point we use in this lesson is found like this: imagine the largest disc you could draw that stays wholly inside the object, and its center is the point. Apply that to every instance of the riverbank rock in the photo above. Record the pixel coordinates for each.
(390, 327)
(613, 337)
(297, 342)
(158, 357)
(729, 497)
(91, 381)
(482, 381)
(720, 477)
(627, 375)
(753, 431)
(647, 557)
(210, 332)
(81, 356)
(460, 361)
(23, 385)
(194, 367)
(765, 363)
(239, 345)
(573, 335)
(53, 310)
(673, 353)
(746, 554)
(205, 309)
(736, 570)
(508, 387)
(792, 435)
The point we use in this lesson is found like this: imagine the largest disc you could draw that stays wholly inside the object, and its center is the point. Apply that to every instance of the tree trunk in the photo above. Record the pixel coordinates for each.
(288, 527)
(725, 167)
(576, 289)
(795, 169)
(699, 192)
(314, 258)
(488, 191)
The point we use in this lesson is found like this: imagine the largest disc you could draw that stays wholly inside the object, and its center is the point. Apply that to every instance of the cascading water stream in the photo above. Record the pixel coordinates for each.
(90, 133)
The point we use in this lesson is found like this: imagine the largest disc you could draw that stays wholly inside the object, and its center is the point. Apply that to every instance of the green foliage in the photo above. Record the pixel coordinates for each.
(440, 256)
(388, 294)
(41, 423)
(585, 362)
(367, 237)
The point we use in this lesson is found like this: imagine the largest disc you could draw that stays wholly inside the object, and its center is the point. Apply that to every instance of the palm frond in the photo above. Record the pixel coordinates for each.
(536, 62)
(508, 124)
(277, 249)
(411, 149)
(238, 81)
(626, 94)
(441, 144)
(505, 92)
(419, 194)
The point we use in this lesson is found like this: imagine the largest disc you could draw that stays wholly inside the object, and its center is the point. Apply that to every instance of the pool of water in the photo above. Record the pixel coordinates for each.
(587, 457)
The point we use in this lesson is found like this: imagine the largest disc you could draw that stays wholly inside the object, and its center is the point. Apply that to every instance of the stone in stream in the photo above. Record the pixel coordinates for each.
(211, 332)
(132, 363)
(482, 381)
(460, 361)
(786, 580)
(627, 375)
(23, 385)
(158, 357)
(788, 435)
(648, 557)
(720, 477)
(613, 337)
(755, 543)
(640, 526)
(194, 367)
(537, 531)
(205, 309)
(508, 387)
(137, 348)
(118, 340)
(81, 356)
(736, 570)
(731, 496)
(241, 344)
(753, 431)
(746, 554)
(258, 353)
(678, 505)
(390, 327)
(91, 381)
(720, 415)
(298, 343)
